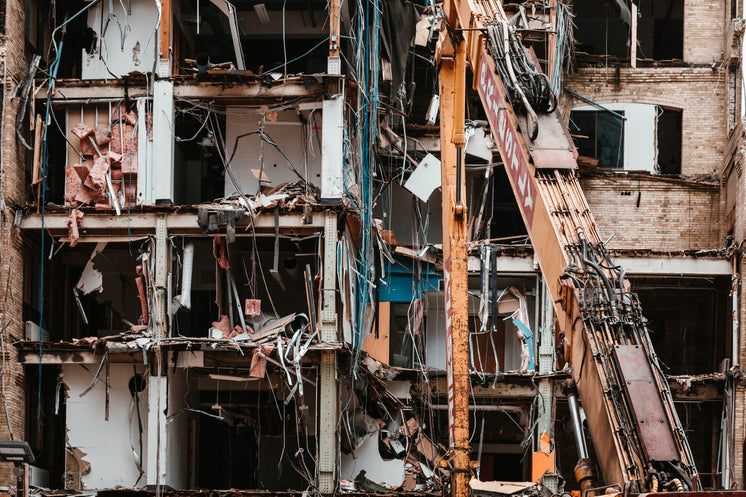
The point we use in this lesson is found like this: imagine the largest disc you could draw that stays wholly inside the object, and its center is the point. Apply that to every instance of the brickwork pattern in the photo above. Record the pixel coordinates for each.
(670, 216)
(11, 243)
(700, 93)
(704, 23)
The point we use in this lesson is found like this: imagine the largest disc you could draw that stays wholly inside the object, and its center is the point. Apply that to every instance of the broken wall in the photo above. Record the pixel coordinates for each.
(126, 39)
(110, 444)
(299, 141)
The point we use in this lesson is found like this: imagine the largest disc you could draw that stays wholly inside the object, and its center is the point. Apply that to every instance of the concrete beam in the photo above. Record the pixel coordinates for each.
(96, 89)
(679, 266)
(175, 221)
(636, 266)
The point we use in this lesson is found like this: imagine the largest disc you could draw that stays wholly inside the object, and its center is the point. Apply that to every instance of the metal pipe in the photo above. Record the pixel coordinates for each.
(577, 427)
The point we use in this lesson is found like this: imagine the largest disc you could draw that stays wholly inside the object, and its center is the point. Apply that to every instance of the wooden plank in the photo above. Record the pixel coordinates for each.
(38, 148)
(378, 346)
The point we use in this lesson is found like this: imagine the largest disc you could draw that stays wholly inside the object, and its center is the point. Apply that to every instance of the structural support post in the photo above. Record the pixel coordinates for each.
(543, 462)
(332, 146)
(157, 442)
(161, 277)
(452, 98)
(162, 170)
(328, 369)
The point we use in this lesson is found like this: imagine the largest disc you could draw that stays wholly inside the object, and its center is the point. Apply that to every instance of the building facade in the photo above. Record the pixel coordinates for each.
(221, 261)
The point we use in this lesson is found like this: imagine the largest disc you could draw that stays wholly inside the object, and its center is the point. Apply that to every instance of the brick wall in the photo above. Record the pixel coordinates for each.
(700, 93)
(11, 247)
(670, 216)
(704, 22)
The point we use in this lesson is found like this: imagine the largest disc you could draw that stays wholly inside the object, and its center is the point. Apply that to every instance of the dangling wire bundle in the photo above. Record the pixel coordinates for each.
(528, 89)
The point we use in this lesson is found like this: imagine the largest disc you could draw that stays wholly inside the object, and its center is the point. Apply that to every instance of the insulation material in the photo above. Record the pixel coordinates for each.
(108, 445)
(96, 180)
(72, 185)
(523, 331)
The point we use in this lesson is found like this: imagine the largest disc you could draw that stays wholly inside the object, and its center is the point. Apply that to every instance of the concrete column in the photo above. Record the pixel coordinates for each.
(162, 166)
(332, 147)
(157, 442)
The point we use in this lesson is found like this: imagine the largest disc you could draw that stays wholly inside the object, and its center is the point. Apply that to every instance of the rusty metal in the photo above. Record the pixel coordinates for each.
(586, 477)
(455, 254)
(647, 407)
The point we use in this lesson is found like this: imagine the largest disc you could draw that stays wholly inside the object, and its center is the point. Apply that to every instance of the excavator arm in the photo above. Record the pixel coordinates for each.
(640, 445)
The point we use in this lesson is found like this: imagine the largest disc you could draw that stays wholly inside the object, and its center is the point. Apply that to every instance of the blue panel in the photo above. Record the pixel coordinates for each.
(398, 285)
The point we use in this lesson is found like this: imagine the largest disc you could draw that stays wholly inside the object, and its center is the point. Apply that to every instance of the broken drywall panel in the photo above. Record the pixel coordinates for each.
(367, 458)
(109, 445)
(124, 39)
(425, 178)
(92, 280)
(31, 331)
(301, 147)
(332, 149)
(479, 143)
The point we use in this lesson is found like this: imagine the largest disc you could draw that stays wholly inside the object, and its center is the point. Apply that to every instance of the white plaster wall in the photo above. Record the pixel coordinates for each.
(139, 27)
(640, 134)
(176, 430)
(287, 132)
(106, 443)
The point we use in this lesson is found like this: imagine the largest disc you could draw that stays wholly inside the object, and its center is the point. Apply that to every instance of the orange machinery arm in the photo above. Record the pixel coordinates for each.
(606, 343)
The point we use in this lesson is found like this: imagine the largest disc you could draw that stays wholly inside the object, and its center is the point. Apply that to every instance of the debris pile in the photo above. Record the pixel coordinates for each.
(110, 182)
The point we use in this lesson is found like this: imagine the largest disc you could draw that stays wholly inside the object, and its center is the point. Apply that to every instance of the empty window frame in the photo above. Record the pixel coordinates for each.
(603, 28)
(634, 137)
(599, 134)
(668, 127)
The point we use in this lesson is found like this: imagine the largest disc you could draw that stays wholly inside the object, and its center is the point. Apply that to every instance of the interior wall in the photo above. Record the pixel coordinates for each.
(286, 129)
(176, 431)
(140, 28)
(107, 444)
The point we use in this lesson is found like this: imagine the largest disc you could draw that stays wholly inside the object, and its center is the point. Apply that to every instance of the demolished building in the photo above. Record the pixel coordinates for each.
(222, 242)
